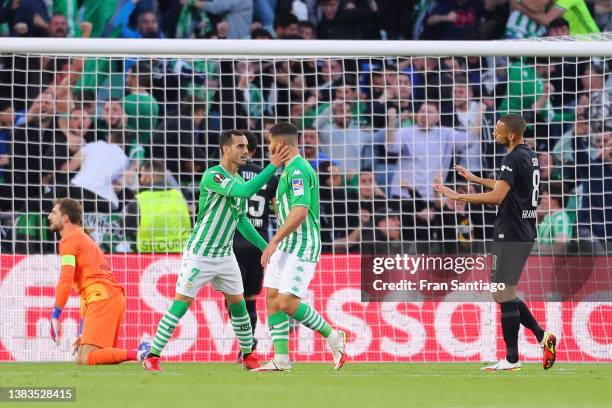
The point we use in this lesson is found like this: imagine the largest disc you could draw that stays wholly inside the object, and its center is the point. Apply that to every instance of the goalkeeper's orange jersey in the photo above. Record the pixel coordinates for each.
(85, 268)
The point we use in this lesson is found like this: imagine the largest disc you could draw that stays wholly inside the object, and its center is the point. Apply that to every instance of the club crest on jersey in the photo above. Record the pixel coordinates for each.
(298, 186)
(504, 167)
(219, 178)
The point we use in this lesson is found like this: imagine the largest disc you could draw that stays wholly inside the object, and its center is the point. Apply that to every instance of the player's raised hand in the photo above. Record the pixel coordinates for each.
(280, 154)
(465, 173)
(445, 191)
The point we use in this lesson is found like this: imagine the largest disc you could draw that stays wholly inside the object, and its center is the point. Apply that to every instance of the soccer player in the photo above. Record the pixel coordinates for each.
(516, 193)
(102, 298)
(208, 255)
(292, 255)
(258, 214)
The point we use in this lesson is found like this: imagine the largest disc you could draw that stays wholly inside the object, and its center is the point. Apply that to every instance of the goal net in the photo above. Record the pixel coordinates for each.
(112, 122)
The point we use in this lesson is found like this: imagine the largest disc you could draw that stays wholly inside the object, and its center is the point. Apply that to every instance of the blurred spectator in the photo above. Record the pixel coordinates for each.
(140, 106)
(147, 25)
(350, 147)
(595, 176)
(30, 18)
(311, 150)
(555, 223)
(456, 225)
(347, 20)
(30, 136)
(339, 209)
(57, 164)
(426, 151)
(453, 20)
(186, 143)
(263, 11)
(237, 13)
(603, 14)
(600, 97)
(261, 34)
(307, 30)
(493, 18)
(385, 233)
(467, 116)
(559, 27)
(186, 19)
(159, 220)
(575, 12)
(58, 26)
(286, 25)
(519, 25)
(99, 165)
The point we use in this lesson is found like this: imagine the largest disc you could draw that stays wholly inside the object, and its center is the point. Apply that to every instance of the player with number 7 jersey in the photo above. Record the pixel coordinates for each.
(208, 256)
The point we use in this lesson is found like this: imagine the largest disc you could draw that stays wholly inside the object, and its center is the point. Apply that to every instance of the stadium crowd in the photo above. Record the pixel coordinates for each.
(379, 132)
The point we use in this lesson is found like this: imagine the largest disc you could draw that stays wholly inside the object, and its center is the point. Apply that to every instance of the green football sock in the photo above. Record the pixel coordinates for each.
(278, 323)
(311, 319)
(241, 323)
(166, 326)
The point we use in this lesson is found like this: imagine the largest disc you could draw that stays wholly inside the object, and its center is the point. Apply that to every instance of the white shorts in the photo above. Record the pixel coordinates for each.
(222, 272)
(289, 274)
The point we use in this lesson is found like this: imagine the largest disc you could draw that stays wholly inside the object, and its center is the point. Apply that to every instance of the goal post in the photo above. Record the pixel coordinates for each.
(104, 120)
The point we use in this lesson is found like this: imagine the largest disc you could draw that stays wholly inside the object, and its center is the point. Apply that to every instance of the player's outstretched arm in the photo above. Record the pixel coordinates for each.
(249, 233)
(469, 176)
(495, 197)
(246, 190)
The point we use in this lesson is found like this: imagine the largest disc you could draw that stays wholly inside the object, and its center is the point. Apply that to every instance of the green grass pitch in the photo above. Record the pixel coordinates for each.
(318, 385)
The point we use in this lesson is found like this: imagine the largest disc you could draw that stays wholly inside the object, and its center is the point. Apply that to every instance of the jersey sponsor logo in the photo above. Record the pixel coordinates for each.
(218, 178)
(529, 214)
(506, 168)
(298, 186)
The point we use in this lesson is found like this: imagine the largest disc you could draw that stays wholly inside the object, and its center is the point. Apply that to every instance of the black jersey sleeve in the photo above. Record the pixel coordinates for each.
(508, 170)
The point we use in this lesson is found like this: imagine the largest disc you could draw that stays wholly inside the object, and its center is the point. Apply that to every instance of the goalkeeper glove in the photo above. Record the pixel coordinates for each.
(55, 325)
(76, 342)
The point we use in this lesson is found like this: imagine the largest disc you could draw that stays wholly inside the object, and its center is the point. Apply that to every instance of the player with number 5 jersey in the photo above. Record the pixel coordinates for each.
(208, 255)
(516, 192)
(292, 255)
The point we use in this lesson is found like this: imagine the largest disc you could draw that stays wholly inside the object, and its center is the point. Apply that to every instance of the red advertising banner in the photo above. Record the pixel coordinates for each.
(389, 331)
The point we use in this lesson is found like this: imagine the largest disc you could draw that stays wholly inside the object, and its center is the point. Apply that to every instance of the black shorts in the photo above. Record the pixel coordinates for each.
(249, 261)
(508, 261)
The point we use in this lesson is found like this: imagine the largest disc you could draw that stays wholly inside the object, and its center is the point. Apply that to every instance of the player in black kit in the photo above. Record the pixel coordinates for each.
(258, 213)
(516, 192)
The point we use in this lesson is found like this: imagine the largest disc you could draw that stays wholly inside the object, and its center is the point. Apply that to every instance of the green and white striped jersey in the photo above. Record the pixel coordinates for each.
(218, 215)
(299, 186)
(520, 26)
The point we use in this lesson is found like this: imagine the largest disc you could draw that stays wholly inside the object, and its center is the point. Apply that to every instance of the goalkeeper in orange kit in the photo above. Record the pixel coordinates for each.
(84, 266)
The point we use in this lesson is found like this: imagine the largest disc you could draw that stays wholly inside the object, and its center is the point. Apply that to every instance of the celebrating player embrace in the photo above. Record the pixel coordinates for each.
(516, 192)
(292, 255)
(208, 255)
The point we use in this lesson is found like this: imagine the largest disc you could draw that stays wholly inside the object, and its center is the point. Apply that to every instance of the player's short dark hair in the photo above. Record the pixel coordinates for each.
(558, 23)
(253, 141)
(71, 208)
(514, 123)
(154, 166)
(287, 131)
(225, 139)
